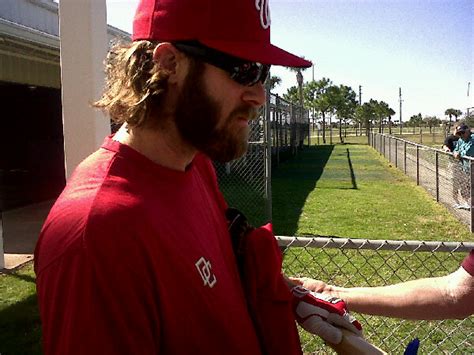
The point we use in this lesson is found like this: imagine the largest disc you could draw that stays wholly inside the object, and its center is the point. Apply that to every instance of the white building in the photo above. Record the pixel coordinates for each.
(32, 130)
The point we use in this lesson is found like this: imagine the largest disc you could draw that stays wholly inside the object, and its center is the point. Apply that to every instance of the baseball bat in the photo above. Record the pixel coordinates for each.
(352, 344)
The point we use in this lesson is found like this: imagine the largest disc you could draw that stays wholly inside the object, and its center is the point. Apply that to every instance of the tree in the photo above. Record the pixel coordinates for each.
(470, 119)
(299, 85)
(345, 103)
(365, 114)
(452, 112)
(320, 95)
(414, 121)
(291, 94)
(390, 113)
(382, 111)
(431, 121)
(274, 81)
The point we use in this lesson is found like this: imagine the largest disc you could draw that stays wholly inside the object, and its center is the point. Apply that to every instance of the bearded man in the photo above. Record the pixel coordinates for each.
(135, 256)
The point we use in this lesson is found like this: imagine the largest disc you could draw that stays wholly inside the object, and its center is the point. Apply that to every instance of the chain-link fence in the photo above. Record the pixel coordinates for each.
(362, 262)
(448, 180)
(277, 134)
(289, 128)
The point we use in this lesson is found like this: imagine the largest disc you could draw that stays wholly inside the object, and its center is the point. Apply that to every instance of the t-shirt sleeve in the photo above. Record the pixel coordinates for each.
(468, 263)
(97, 298)
(456, 146)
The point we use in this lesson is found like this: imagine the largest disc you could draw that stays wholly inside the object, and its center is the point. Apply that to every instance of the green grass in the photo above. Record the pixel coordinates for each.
(349, 190)
(20, 330)
(344, 190)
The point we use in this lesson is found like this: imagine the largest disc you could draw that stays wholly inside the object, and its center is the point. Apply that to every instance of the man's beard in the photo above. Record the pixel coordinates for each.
(197, 117)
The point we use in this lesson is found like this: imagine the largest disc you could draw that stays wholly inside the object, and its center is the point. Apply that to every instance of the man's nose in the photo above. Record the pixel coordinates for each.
(255, 95)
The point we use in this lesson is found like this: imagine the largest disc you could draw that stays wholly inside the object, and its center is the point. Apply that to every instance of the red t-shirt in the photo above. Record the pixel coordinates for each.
(468, 263)
(135, 258)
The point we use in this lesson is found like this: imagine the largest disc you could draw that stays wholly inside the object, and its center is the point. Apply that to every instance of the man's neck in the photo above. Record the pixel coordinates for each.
(165, 148)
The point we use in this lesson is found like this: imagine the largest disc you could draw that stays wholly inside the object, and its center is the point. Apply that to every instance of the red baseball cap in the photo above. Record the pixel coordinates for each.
(240, 28)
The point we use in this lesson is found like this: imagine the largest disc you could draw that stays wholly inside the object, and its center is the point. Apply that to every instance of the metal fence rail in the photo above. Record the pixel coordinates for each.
(449, 181)
(362, 262)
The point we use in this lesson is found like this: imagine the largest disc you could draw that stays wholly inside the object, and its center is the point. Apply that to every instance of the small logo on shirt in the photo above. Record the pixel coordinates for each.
(205, 270)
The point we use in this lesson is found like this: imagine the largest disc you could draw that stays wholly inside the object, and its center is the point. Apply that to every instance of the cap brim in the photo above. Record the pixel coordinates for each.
(258, 52)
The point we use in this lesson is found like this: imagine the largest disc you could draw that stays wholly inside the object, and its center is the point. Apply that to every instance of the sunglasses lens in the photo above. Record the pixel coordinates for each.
(244, 73)
(250, 73)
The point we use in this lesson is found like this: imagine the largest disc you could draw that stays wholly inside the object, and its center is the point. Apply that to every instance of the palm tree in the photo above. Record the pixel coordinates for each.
(299, 81)
(390, 113)
(452, 112)
(431, 121)
(274, 81)
(457, 113)
(415, 120)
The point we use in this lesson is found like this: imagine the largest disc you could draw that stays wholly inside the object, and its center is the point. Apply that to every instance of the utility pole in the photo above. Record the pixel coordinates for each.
(360, 104)
(400, 99)
(468, 87)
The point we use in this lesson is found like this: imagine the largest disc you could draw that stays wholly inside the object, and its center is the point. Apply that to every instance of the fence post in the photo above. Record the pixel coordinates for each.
(268, 157)
(309, 130)
(437, 175)
(277, 123)
(389, 148)
(471, 187)
(417, 164)
(405, 157)
(396, 153)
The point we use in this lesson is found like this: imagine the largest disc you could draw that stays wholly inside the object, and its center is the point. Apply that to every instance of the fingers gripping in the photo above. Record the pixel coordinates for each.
(312, 308)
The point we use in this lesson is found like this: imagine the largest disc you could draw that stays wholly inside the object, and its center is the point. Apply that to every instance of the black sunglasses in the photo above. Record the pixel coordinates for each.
(243, 72)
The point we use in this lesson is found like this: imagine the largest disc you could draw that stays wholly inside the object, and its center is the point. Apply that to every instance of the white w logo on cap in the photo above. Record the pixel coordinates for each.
(262, 6)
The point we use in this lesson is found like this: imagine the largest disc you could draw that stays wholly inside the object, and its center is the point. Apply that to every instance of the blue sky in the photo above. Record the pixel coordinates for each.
(423, 46)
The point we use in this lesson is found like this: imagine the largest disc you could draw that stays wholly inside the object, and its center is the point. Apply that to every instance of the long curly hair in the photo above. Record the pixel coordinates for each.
(134, 84)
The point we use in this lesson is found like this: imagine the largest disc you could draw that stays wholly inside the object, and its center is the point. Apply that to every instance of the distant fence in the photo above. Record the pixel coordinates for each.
(362, 262)
(280, 131)
(449, 181)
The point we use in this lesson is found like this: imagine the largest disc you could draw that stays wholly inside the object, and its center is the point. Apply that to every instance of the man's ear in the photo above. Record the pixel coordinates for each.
(168, 58)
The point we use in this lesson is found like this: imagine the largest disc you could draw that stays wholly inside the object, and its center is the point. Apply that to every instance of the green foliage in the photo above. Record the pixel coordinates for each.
(415, 121)
(291, 94)
(453, 112)
(274, 81)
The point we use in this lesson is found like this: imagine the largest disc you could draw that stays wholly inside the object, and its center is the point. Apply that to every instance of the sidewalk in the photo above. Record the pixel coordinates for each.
(20, 228)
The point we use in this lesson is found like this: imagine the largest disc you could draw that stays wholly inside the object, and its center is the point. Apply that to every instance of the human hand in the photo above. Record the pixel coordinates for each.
(323, 315)
(312, 284)
(456, 155)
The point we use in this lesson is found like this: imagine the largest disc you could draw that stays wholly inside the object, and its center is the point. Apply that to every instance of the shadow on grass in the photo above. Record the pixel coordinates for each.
(353, 179)
(20, 328)
(26, 278)
(292, 182)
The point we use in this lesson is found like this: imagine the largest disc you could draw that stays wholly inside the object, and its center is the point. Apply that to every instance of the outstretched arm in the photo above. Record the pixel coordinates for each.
(445, 297)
